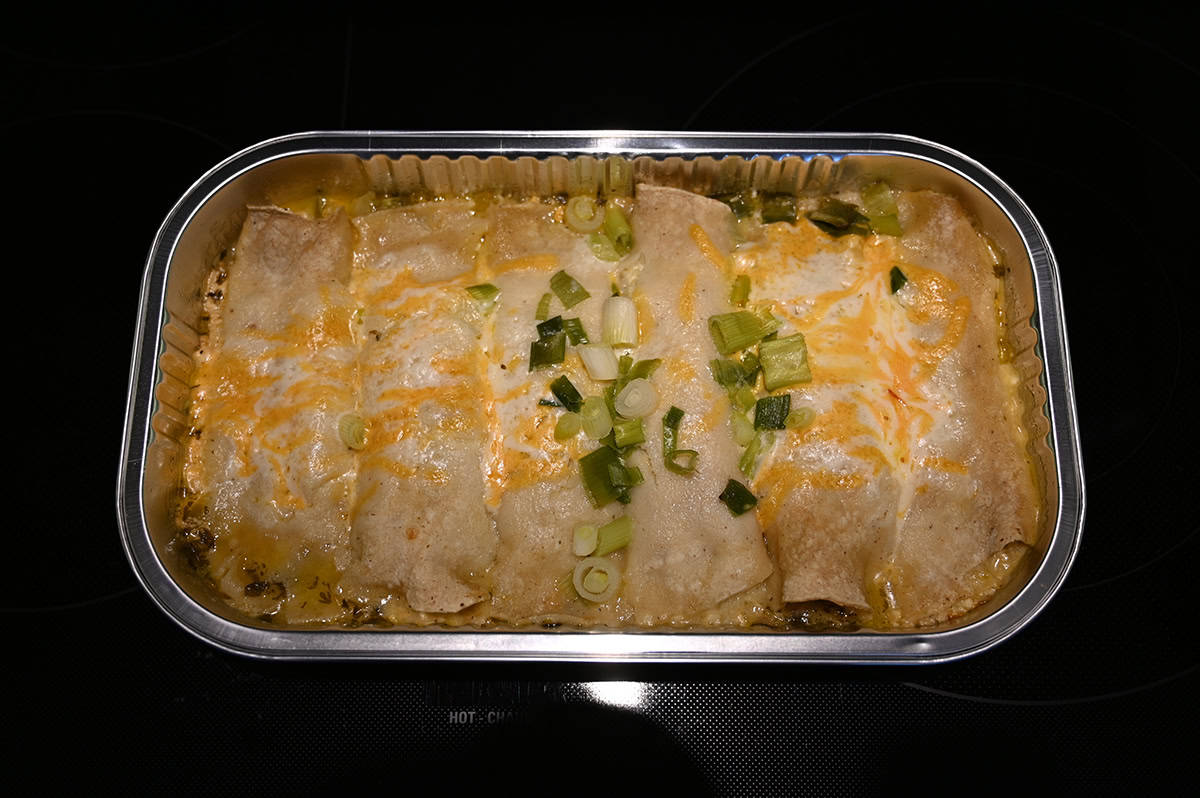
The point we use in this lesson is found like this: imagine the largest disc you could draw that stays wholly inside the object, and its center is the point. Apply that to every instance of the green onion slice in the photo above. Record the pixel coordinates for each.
(353, 431)
(625, 476)
(897, 279)
(485, 296)
(568, 426)
(678, 461)
(743, 398)
(740, 293)
(888, 225)
(618, 319)
(597, 422)
(742, 204)
(617, 228)
(743, 429)
(583, 579)
(575, 332)
(597, 481)
(727, 373)
(748, 462)
(629, 433)
(779, 208)
(838, 218)
(800, 417)
(737, 497)
(878, 200)
(638, 398)
(584, 540)
(567, 289)
(616, 534)
(735, 331)
(550, 327)
(603, 248)
(583, 215)
(543, 308)
(566, 393)
(600, 361)
(784, 361)
(771, 412)
(547, 352)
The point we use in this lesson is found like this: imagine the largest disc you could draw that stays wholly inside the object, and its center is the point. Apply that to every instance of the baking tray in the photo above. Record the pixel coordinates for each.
(207, 219)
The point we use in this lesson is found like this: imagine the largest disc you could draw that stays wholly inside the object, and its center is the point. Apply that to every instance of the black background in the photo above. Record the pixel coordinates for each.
(109, 119)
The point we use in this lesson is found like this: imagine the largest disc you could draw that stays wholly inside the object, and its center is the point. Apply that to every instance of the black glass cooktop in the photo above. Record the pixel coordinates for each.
(106, 123)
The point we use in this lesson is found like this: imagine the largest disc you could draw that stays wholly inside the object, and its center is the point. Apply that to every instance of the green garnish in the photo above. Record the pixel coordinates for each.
(771, 412)
(353, 431)
(575, 332)
(629, 433)
(565, 392)
(778, 208)
(897, 278)
(735, 331)
(597, 418)
(740, 293)
(678, 461)
(617, 228)
(624, 476)
(568, 289)
(880, 207)
(838, 218)
(546, 352)
(737, 497)
(543, 308)
(603, 248)
(485, 295)
(784, 361)
(727, 373)
(568, 426)
(742, 204)
(616, 534)
(743, 398)
(550, 327)
(597, 481)
(747, 463)
(800, 417)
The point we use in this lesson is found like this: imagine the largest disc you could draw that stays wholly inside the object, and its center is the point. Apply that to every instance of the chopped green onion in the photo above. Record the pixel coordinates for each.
(743, 429)
(618, 318)
(727, 373)
(623, 476)
(748, 462)
(737, 497)
(594, 473)
(750, 366)
(734, 331)
(897, 279)
(603, 248)
(584, 542)
(596, 419)
(740, 293)
(778, 208)
(878, 200)
(566, 393)
(771, 411)
(624, 364)
(638, 398)
(800, 417)
(624, 497)
(888, 225)
(568, 426)
(784, 361)
(629, 433)
(741, 204)
(550, 327)
(838, 218)
(583, 215)
(353, 431)
(485, 295)
(599, 360)
(678, 461)
(644, 368)
(743, 398)
(617, 228)
(575, 332)
(546, 352)
(614, 535)
(543, 308)
(567, 289)
(548, 403)
(585, 569)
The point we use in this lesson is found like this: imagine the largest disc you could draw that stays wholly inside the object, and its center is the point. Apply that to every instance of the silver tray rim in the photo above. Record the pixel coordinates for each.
(598, 645)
